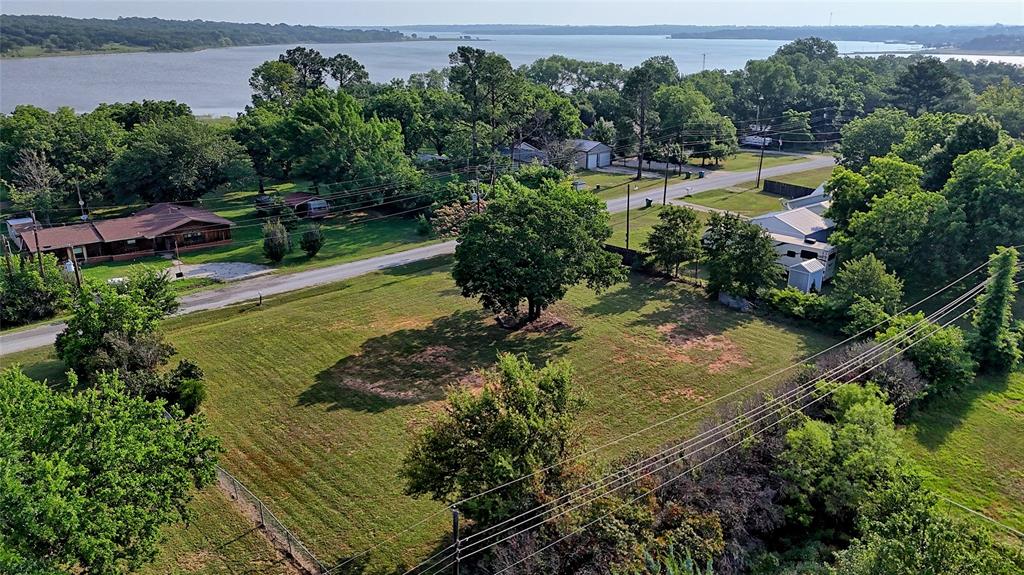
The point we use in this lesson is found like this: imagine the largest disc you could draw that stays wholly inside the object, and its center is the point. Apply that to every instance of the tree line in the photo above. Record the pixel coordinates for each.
(60, 34)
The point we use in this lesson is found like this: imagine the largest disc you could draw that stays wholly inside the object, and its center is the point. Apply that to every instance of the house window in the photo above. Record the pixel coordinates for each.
(192, 237)
(791, 254)
(130, 242)
(808, 255)
(831, 256)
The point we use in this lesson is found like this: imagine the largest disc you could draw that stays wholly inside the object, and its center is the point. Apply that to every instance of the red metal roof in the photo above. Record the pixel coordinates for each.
(295, 199)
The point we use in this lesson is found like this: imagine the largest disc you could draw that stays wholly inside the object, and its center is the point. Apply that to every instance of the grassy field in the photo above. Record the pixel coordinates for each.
(744, 161)
(640, 223)
(218, 541)
(971, 447)
(808, 178)
(614, 185)
(743, 199)
(317, 394)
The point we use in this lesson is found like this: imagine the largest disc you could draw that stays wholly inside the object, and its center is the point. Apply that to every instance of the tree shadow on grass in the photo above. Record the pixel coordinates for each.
(631, 296)
(938, 418)
(418, 364)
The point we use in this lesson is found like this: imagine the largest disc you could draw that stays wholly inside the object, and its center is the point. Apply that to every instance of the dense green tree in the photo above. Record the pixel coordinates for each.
(405, 107)
(347, 72)
(974, 133)
(795, 130)
(26, 296)
(534, 245)
(870, 136)
(675, 238)
(488, 85)
(604, 131)
(543, 116)
(329, 141)
(100, 313)
(867, 278)
(940, 354)
(274, 82)
(925, 86)
(521, 423)
(813, 48)
(91, 478)
(128, 115)
(261, 130)
(833, 468)
(277, 242)
(310, 67)
(900, 229)
(903, 532)
(716, 87)
(177, 160)
(638, 92)
(986, 191)
(995, 345)
(924, 133)
(1005, 103)
(740, 257)
(440, 117)
(772, 85)
(887, 174)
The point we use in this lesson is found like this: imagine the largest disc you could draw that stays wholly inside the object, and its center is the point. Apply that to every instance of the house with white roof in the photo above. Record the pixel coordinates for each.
(801, 240)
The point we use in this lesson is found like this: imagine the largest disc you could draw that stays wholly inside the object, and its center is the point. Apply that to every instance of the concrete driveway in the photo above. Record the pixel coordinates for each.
(267, 285)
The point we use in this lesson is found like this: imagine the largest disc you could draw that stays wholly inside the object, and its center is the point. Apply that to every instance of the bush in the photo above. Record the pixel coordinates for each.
(897, 376)
(312, 239)
(191, 393)
(864, 315)
(26, 296)
(155, 286)
(795, 303)
(277, 243)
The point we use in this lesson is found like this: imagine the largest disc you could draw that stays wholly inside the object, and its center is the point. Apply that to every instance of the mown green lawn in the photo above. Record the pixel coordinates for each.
(640, 223)
(743, 199)
(745, 160)
(808, 178)
(971, 447)
(317, 394)
(611, 186)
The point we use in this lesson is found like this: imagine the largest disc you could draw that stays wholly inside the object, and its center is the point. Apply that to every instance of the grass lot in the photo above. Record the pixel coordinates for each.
(640, 223)
(749, 200)
(808, 178)
(744, 161)
(971, 447)
(218, 541)
(743, 199)
(317, 394)
(614, 185)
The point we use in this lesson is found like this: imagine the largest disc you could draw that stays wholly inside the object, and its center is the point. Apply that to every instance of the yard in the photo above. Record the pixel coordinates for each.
(640, 223)
(749, 200)
(970, 447)
(316, 394)
(610, 186)
(746, 160)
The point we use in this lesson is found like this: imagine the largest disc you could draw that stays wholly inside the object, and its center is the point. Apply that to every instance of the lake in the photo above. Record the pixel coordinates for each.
(216, 82)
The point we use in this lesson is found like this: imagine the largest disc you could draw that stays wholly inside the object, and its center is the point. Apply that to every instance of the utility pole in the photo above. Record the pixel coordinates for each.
(704, 62)
(74, 266)
(456, 541)
(760, 128)
(643, 133)
(628, 186)
(664, 191)
(7, 257)
(39, 248)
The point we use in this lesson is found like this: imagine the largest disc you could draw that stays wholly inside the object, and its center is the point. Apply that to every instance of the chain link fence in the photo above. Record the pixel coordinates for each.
(275, 531)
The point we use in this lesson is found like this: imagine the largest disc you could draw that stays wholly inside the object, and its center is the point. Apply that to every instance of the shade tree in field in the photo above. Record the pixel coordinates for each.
(533, 246)
(92, 477)
(739, 256)
(867, 278)
(522, 423)
(675, 239)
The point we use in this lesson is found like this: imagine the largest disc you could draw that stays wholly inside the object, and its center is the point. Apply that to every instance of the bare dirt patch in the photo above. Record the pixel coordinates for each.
(547, 323)
(195, 561)
(689, 342)
(437, 355)
(383, 389)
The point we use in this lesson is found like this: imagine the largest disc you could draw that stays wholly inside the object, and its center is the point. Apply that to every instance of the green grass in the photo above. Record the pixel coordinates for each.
(743, 199)
(614, 185)
(971, 447)
(808, 178)
(640, 223)
(218, 541)
(39, 51)
(317, 394)
(745, 161)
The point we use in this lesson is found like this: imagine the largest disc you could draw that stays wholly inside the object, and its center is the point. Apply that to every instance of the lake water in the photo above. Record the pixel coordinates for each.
(216, 82)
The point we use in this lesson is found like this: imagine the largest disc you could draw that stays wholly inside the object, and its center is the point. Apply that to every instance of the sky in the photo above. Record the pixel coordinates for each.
(601, 12)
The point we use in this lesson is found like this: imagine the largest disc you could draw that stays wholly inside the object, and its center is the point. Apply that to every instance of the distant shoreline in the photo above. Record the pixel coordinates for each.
(141, 50)
(941, 51)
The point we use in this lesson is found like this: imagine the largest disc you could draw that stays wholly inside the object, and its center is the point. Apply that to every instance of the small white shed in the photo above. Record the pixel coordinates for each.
(807, 275)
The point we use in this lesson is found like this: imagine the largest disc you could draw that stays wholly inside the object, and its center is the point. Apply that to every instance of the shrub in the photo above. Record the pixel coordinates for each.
(276, 241)
(795, 303)
(897, 376)
(866, 278)
(312, 239)
(191, 392)
(940, 354)
(864, 315)
(26, 296)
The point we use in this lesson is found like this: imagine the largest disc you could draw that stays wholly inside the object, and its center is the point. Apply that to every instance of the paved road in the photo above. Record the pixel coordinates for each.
(268, 285)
